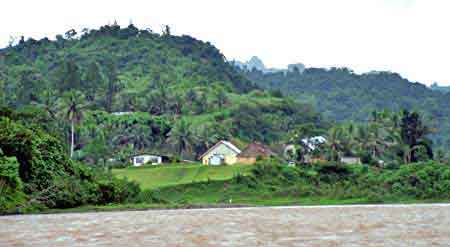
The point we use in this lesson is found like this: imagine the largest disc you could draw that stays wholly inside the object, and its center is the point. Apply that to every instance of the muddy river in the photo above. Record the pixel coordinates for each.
(389, 225)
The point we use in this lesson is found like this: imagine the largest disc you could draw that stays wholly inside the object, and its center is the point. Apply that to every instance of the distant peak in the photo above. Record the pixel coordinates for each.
(257, 63)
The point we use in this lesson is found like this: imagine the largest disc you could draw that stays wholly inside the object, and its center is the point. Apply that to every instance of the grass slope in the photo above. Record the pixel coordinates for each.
(162, 176)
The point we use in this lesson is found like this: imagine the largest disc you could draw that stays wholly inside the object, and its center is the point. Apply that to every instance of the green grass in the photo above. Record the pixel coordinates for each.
(152, 177)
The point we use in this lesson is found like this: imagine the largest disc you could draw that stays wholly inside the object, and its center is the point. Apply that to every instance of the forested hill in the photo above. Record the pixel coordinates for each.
(342, 95)
(140, 59)
(129, 91)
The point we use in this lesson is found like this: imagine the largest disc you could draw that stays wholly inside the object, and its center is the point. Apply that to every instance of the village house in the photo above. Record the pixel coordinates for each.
(122, 113)
(222, 153)
(309, 159)
(253, 152)
(313, 143)
(350, 160)
(143, 159)
(310, 145)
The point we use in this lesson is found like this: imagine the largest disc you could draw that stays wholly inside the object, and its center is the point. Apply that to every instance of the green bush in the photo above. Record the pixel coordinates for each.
(363, 183)
(70, 192)
(40, 175)
(118, 191)
(11, 194)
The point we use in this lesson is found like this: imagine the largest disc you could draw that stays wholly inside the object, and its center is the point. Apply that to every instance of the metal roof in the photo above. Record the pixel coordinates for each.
(228, 144)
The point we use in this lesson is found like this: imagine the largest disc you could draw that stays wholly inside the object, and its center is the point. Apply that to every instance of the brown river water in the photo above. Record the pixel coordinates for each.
(384, 225)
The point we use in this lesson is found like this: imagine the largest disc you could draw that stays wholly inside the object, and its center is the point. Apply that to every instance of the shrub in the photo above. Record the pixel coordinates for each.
(289, 173)
(11, 194)
(68, 192)
(49, 178)
(115, 190)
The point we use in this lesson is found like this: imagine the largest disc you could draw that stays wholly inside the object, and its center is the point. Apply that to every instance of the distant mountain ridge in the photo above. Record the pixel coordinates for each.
(342, 95)
(436, 87)
(255, 63)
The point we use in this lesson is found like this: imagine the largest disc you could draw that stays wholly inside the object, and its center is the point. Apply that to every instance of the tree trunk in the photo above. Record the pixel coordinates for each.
(72, 137)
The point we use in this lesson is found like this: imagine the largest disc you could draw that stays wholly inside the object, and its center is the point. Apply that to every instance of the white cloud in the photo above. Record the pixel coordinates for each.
(406, 36)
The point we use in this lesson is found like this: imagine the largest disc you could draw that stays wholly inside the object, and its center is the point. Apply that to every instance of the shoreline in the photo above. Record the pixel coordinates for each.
(136, 208)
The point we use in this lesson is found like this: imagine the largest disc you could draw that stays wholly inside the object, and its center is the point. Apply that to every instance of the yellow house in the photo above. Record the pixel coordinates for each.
(222, 153)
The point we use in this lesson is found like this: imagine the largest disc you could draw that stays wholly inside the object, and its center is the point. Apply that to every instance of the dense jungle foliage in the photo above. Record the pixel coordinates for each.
(36, 172)
(117, 91)
(342, 95)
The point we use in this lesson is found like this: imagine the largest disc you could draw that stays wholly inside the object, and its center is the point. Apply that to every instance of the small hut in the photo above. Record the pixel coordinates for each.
(253, 152)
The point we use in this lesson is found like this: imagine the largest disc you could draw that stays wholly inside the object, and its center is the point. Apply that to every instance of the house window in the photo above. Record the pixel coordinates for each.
(217, 159)
(139, 160)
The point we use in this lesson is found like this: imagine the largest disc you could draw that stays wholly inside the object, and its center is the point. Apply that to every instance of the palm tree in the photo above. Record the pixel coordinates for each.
(336, 143)
(207, 135)
(182, 136)
(414, 133)
(377, 141)
(404, 149)
(74, 113)
(48, 102)
(141, 136)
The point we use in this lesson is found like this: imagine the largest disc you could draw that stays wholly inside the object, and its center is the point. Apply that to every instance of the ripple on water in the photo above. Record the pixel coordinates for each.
(413, 225)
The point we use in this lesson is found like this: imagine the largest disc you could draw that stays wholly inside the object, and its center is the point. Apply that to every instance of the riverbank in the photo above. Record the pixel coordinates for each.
(307, 203)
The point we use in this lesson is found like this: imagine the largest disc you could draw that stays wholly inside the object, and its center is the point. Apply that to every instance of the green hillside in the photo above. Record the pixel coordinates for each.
(163, 176)
(127, 90)
(342, 95)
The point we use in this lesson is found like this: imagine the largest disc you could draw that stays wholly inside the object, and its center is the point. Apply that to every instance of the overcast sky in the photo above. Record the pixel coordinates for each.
(411, 37)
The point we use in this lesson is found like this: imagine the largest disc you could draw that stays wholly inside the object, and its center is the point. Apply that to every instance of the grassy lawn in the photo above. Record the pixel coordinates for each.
(152, 177)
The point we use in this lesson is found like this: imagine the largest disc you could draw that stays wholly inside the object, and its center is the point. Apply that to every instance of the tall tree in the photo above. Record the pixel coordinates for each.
(73, 101)
(70, 34)
(48, 101)
(414, 133)
(182, 137)
(98, 149)
(93, 81)
(68, 75)
(113, 84)
(336, 144)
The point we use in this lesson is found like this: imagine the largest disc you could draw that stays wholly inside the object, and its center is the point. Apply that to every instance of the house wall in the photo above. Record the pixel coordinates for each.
(314, 160)
(350, 160)
(229, 155)
(246, 160)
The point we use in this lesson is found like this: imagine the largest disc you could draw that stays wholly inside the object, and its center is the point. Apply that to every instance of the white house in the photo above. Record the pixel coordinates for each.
(122, 113)
(143, 159)
(351, 160)
(313, 142)
(222, 153)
